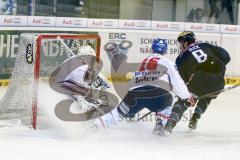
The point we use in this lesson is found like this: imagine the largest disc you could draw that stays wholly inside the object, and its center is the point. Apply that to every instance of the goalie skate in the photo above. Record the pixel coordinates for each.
(63, 111)
(158, 129)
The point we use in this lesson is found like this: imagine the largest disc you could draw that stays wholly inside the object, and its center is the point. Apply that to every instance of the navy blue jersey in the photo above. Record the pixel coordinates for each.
(202, 57)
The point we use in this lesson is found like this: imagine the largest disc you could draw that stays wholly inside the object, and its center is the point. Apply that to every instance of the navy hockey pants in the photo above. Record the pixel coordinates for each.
(153, 98)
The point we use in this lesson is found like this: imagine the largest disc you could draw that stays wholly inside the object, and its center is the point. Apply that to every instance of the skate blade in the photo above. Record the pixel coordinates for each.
(158, 133)
(191, 130)
(162, 133)
(167, 133)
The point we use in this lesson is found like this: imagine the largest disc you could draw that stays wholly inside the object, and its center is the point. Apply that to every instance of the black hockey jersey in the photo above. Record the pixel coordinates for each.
(202, 57)
(202, 66)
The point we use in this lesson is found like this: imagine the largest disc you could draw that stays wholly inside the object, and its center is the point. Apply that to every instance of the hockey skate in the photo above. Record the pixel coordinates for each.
(193, 121)
(169, 127)
(158, 129)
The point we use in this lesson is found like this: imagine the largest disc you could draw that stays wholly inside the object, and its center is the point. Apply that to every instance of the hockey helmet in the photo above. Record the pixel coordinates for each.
(186, 36)
(159, 46)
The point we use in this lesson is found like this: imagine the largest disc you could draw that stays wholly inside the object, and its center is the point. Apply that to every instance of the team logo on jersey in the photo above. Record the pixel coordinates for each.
(117, 53)
(29, 53)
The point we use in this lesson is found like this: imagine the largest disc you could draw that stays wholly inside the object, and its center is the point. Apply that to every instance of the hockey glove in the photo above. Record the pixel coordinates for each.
(190, 102)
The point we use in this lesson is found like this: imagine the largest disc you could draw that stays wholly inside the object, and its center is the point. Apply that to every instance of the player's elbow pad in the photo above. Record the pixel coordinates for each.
(228, 59)
(223, 55)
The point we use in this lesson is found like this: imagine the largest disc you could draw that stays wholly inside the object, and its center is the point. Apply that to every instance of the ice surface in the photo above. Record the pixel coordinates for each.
(217, 137)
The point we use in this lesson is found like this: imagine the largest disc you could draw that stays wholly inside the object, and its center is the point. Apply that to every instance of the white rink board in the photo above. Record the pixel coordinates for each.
(231, 42)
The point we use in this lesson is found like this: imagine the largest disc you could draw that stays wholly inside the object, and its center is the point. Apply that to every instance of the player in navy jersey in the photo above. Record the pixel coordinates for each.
(202, 67)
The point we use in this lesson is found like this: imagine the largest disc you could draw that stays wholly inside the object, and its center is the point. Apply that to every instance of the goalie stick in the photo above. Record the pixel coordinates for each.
(212, 94)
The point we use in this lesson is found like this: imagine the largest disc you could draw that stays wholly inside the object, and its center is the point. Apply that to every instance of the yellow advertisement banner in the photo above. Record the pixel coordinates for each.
(228, 80)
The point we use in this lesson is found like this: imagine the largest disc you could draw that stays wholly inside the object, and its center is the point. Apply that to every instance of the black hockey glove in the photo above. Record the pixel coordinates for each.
(190, 102)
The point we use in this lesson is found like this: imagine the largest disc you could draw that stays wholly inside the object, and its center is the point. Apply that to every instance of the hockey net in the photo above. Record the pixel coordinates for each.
(38, 55)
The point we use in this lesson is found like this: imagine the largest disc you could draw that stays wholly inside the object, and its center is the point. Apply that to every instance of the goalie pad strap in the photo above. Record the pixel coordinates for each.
(74, 88)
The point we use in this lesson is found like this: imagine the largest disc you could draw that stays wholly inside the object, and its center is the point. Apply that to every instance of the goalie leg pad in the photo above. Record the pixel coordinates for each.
(73, 88)
(62, 111)
(108, 120)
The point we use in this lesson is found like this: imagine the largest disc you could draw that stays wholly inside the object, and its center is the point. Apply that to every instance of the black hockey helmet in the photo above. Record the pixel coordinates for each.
(188, 36)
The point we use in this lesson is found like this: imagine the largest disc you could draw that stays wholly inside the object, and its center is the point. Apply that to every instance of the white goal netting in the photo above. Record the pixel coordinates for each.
(38, 55)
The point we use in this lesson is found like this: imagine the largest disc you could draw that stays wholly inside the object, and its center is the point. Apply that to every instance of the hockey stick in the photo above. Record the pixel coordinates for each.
(65, 45)
(212, 94)
(145, 115)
